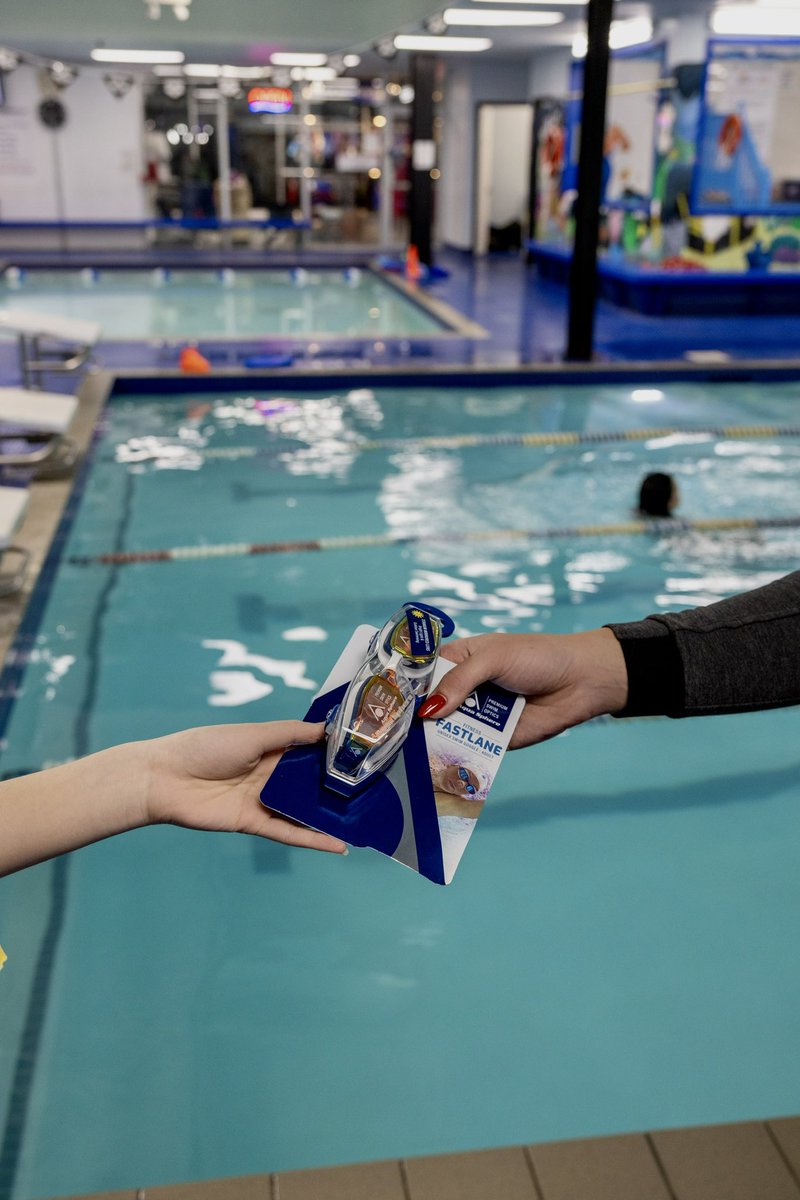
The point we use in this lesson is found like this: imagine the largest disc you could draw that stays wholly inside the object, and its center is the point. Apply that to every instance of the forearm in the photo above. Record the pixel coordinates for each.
(60, 809)
(739, 655)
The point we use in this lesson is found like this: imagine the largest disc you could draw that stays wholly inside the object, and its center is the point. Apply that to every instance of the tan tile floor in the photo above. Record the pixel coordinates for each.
(45, 507)
(752, 1160)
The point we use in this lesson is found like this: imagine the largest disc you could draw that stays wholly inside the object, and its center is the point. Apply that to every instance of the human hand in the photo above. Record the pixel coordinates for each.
(211, 778)
(565, 678)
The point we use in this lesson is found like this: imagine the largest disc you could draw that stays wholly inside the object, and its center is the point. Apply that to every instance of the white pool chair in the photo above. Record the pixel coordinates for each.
(33, 429)
(13, 559)
(48, 342)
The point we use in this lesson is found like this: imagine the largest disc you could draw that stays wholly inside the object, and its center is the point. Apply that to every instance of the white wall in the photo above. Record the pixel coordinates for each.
(549, 73)
(467, 84)
(89, 169)
(686, 39)
(453, 210)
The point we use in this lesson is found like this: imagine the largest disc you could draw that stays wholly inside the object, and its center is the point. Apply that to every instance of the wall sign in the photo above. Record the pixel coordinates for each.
(748, 158)
(270, 100)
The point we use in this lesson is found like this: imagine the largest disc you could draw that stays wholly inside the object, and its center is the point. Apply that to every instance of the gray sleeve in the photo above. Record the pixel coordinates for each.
(734, 656)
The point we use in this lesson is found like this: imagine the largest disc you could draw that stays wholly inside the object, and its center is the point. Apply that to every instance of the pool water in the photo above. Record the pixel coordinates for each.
(162, 305)
(618, 949)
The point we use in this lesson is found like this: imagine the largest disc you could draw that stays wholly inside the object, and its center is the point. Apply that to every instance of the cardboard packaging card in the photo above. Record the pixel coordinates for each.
(423, 809)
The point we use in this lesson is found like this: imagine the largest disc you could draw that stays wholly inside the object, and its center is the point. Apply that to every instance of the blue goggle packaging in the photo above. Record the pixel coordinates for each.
(383, 778)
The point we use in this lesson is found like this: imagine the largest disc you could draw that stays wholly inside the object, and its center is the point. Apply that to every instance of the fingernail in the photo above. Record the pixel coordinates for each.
(432, 705)
(344, 853)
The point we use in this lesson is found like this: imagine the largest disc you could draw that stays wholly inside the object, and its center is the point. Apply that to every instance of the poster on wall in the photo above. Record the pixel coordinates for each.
(629, 148)
(748, 158)
(547, 165)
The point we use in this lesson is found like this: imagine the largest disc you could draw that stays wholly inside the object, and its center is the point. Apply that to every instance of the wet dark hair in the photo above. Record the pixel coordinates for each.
(655, 494)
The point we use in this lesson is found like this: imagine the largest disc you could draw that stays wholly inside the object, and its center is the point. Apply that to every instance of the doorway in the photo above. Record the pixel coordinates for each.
(502, 177)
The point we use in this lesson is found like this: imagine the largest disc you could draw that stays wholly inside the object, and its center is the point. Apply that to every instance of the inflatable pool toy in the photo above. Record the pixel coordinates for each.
(192, 362)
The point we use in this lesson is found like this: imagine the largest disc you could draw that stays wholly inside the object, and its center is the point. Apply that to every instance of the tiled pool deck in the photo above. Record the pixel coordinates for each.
(749, 1161)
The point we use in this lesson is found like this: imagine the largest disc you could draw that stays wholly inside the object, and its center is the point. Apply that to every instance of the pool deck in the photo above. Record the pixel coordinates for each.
(752, 1160)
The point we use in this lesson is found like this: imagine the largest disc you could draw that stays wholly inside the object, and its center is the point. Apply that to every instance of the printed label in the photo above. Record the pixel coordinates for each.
(490, 704)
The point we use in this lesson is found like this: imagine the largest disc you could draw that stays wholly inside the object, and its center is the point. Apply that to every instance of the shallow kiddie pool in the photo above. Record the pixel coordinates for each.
(617, 950)
(229, 303)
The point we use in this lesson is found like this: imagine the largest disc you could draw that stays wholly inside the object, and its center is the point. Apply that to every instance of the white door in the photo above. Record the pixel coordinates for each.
(502, 170)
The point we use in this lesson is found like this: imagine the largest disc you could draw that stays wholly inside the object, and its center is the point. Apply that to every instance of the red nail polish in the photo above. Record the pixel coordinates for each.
(432, 705)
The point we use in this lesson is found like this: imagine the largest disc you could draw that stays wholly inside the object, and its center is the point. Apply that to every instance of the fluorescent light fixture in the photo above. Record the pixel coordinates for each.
(634, 32)
(500, 16)
(351, 60)
(202, 70)
(561, 3)
(646, 395)
(764, 20)
(443, 45)
(287, 59)
(319, 74)
(245, 72)
(138, 56)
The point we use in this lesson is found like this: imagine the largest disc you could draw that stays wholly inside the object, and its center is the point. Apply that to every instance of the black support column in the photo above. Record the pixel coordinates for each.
(583, 268)
(423, 77)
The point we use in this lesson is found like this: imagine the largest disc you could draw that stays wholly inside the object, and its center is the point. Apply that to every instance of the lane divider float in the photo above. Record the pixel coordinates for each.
(465, 441)
(655, 525)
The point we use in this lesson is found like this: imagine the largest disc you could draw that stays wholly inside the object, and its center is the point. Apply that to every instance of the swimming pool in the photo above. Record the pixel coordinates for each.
(164, 305)
(618, 949)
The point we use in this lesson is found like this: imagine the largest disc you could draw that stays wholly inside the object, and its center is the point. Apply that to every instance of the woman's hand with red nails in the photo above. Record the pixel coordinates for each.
(565, 678)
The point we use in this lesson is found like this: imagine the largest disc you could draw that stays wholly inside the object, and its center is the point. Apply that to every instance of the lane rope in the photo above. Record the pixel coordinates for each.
(657, 526)
(462, 441)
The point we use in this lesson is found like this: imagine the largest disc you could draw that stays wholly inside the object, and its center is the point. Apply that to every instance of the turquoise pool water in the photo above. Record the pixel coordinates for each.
(158, 305)
(618, 949)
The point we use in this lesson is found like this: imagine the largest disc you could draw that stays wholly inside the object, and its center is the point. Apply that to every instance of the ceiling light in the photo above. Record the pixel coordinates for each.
(561, 3)
(246, 72)
(180, 8)
(173, 89)
(118, 84)
(202, 70)
(319, 74)
(418, 41)
(208, 93)
(634, 32)
(281, 59)
(386, 48)
(500, 16)
(229, 88)
(351, 60)
(138, 56)
(436, 24)
(767, 20)
(9, 59)
(62, 74)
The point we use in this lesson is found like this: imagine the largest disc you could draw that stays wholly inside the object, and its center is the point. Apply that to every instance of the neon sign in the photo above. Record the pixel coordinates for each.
(269, 100)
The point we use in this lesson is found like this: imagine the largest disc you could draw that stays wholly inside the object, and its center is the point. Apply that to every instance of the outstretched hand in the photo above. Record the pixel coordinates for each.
(565, 678)
(211, 778)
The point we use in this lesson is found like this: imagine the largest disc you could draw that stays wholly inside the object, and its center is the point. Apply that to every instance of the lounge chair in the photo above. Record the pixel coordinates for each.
(13, 503)
(48, 343)
(33, 429)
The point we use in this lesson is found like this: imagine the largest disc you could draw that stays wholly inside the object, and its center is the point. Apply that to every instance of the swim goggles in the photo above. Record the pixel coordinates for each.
(463, 775)
(366, 731)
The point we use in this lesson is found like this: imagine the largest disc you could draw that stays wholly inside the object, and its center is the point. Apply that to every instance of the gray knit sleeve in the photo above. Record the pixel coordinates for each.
(736, 655)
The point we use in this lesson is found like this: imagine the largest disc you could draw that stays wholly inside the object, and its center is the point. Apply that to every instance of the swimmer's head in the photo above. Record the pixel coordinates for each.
(658, 495)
